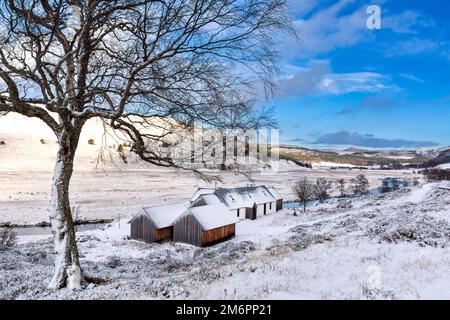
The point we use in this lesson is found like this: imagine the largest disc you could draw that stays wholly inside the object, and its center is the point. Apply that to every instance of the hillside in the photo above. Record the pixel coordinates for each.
(27, 144)
(353, 157)
(442, 159)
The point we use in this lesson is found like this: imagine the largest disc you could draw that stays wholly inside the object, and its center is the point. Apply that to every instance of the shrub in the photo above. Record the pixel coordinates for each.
(385, 186)
(113, 262)
(360, 184)
(8, 238)
(436, 174)
(2, 143)
(120, 148)
(395, 184)
(341, 187)
(321, 189)
(42, 141)
(91, 141)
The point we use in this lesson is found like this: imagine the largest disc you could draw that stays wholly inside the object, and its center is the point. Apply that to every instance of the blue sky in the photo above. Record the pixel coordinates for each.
(345, 84)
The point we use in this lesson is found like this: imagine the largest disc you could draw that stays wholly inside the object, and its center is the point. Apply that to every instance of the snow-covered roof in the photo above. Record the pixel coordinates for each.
(165, 215)
(206, 199)
(274, 193)
(244, 197)
(213, 216)
(200, 192)
(235, 198)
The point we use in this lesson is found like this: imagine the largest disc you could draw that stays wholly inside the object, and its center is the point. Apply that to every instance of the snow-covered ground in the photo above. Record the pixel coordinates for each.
(113, 194)
(386, 246)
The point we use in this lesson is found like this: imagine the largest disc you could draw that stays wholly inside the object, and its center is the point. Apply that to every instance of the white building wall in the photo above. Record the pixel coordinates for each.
(260, 209)
(273, 209)
(241, 213)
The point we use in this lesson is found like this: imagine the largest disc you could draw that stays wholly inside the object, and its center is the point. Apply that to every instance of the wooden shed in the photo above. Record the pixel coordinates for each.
(155, 224)
(205, 225)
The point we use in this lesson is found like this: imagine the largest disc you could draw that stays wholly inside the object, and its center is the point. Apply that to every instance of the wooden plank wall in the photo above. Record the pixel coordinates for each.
(218, 234)
(279, 204)
(164, 233)
(188, 230)
(142, 229)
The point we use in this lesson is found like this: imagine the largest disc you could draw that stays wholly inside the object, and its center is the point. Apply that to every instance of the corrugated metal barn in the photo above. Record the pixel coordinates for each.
(155, 224)
(205, 225)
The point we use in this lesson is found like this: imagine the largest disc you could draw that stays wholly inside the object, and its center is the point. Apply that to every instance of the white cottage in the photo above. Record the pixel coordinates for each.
(245, 202)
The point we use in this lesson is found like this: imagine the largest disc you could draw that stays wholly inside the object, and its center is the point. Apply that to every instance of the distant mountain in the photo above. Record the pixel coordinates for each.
(354, 157)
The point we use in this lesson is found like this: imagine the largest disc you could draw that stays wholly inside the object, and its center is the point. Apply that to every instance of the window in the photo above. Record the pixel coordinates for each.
(270, 206)
(238, 212)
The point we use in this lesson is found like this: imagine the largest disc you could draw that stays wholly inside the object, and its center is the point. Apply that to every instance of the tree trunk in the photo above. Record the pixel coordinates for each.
(304, 205)
(68, 272)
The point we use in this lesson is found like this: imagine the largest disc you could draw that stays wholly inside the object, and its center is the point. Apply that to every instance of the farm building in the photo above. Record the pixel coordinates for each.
(155, 224)
(277, 197)
(205, 225)
(206, 199)
(245, 202)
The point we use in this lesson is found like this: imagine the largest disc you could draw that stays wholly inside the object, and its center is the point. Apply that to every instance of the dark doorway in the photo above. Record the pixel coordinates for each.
(250, 213)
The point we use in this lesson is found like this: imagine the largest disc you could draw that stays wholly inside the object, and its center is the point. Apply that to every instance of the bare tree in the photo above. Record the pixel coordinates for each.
(360, 184)
(321, 189)
(304, 189)
(128, 62)
(341, 187)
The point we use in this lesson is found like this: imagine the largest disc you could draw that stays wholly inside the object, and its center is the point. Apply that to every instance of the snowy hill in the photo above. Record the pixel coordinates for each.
(28, 144)
(442, 160)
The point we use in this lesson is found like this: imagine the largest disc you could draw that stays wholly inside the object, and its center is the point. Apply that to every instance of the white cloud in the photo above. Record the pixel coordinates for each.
(302, 7)
(412, 47)
(341, 25)
(341, 83)
(328, 29)
(406, 22)
(318, 79)
(411, 77)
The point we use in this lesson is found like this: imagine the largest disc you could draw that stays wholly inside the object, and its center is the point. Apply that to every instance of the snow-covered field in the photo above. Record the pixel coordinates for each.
(113, 194)
(112, 189)
(387, 246)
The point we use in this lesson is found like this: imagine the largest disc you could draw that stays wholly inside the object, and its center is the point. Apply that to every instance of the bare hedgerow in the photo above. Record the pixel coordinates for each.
(8, 238)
